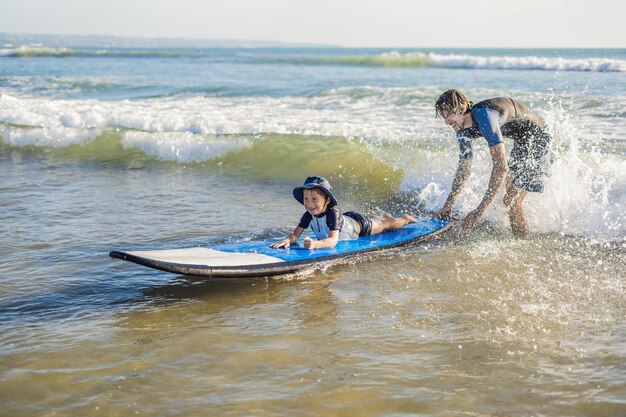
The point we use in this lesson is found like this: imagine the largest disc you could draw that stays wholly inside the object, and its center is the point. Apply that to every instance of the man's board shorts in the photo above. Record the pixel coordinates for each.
(529, 159)
(363, 221)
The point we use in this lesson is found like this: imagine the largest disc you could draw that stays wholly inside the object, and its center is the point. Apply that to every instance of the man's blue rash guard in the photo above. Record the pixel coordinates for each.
(498, 117)
(488, 122)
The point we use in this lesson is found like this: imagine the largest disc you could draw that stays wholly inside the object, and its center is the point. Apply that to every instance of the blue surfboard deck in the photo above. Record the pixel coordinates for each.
(257, 259)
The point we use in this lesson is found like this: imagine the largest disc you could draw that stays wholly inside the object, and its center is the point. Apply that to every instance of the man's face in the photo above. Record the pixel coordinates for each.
(454, 120)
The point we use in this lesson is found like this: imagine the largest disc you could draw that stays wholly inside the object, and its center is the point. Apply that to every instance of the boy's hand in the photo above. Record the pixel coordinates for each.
(309, 243)
(282, 244)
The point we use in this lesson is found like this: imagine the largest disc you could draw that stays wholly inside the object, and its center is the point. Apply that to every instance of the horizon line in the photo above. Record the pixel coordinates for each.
(261, 42)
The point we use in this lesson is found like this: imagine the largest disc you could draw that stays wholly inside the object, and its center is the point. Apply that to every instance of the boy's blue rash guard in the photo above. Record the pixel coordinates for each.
(331, 219)
(498, 117)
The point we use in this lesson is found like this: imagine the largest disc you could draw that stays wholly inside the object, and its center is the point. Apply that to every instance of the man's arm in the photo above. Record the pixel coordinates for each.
(463, 170)
(499, 171)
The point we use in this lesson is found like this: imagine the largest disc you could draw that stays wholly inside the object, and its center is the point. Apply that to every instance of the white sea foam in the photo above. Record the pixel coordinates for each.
(527, 63)
(335, 114)
(586, 190)
(56, 137)
(183, 147)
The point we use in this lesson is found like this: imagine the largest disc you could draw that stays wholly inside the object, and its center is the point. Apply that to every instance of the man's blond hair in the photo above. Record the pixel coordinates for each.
(452, 101)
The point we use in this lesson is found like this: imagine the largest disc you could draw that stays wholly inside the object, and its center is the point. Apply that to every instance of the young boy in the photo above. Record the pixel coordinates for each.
(328, 224)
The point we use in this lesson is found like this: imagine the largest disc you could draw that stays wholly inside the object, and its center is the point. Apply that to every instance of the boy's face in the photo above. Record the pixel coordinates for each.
(315, 202)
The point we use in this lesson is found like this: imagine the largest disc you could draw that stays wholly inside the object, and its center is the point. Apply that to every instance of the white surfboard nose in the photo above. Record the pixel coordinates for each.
(205, 256)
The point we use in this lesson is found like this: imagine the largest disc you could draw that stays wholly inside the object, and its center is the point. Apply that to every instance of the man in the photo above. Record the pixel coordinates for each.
(493, 119)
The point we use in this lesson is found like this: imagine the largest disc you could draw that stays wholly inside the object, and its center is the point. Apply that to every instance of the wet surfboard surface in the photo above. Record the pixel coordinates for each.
(256, 258)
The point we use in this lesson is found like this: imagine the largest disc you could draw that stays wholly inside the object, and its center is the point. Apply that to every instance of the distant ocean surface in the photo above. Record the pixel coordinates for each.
(105, 148)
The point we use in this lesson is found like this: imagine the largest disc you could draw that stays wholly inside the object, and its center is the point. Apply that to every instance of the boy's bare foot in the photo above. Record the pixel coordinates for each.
(409, 218)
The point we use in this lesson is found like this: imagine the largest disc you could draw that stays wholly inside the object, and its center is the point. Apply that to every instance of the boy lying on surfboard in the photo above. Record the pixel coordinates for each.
(328, 224)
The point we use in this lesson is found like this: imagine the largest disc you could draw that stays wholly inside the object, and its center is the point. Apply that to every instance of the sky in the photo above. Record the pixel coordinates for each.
(350, 23)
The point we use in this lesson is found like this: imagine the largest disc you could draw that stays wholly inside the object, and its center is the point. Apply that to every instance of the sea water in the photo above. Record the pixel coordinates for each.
(118, 148)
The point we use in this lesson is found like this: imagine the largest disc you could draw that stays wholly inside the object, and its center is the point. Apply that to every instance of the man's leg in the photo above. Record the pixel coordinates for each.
(528, 162)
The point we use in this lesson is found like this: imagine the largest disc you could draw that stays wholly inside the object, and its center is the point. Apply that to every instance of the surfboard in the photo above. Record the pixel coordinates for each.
(257, 259)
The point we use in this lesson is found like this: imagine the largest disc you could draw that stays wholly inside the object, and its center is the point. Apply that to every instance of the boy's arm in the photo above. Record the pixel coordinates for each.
(329, 242)
(291, 238)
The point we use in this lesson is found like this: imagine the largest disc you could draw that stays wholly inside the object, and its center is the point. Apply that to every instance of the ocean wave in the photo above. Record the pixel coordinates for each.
(37, 51)
(328, 114)
(267, 157)
(367, 137)
(528, 63)
(379, 116)
(390, 59)
(436, 60)
(29, 51)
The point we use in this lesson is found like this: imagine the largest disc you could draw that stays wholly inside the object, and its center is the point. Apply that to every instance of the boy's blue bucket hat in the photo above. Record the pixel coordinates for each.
(315, 182)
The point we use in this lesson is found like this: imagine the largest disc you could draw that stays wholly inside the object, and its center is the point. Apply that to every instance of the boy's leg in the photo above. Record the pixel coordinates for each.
(388, 222)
